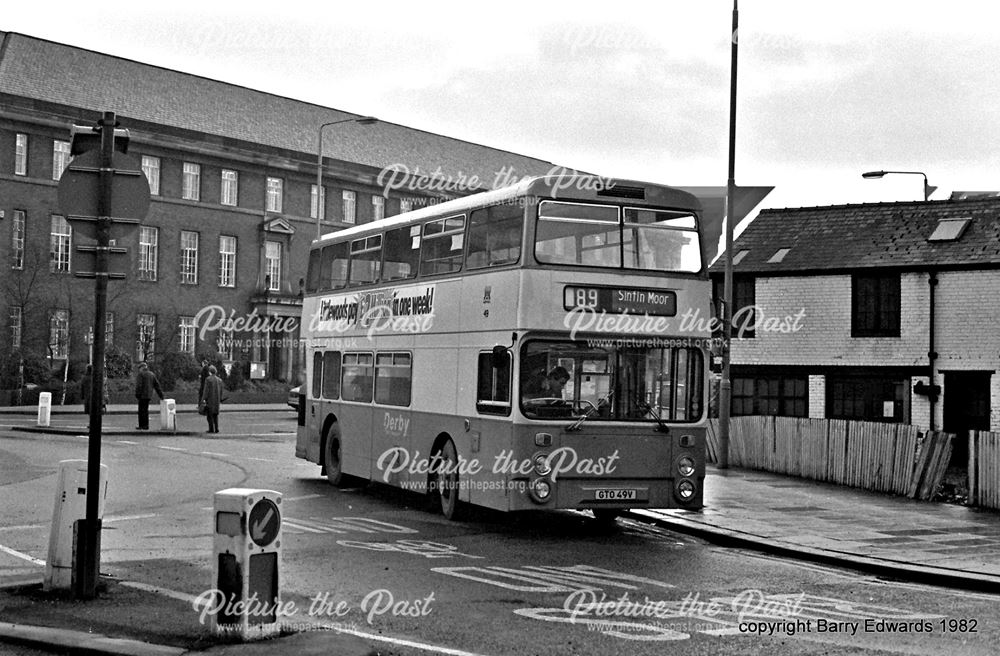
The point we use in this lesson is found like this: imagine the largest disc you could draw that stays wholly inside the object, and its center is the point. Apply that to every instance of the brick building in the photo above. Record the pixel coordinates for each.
(234, 206)
(864, 311)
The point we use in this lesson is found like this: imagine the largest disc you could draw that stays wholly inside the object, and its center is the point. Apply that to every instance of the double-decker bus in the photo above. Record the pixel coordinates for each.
(529, 347)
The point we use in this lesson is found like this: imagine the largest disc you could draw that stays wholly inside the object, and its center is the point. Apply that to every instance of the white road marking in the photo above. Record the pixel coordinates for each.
(213, 453)
(171, 448)
(308, 496)
(308, 529)
(125, 518)
(405, 643)
(261, 459)
(127, 442)
(173, 594)
(23, 556)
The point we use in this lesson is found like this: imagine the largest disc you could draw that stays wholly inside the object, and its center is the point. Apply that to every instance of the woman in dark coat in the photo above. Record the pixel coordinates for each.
(211, 399)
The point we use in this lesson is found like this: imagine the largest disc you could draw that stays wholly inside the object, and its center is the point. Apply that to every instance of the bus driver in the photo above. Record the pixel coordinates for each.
(547, 387)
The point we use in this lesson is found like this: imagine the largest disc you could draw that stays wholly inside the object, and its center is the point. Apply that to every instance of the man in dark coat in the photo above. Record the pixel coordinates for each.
(145, 384)
(211, 399)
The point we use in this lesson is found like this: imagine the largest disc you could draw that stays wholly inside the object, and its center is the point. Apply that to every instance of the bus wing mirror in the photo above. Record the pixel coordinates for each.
(499, 356)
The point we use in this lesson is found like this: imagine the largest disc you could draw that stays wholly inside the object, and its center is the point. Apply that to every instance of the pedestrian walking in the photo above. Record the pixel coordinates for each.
(211, 399)
(145, 384)
(202, 376)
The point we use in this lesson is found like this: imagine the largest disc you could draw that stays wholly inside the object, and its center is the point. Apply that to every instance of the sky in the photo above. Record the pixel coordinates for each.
(624, 89)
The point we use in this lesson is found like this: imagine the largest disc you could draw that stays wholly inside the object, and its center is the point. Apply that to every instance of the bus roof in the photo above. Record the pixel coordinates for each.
(584, 187)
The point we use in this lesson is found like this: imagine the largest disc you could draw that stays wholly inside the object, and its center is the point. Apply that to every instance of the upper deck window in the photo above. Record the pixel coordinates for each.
(495, 236)
(366, 259)
(442, 246)
(602, 236)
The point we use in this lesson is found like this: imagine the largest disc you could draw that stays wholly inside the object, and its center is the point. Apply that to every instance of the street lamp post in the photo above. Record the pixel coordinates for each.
(873, 175)
(363, 120)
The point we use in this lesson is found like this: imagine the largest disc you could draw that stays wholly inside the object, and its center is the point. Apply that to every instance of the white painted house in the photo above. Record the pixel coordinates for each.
(882, 312)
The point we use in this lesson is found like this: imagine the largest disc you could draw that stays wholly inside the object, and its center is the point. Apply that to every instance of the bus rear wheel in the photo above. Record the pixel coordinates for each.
(332, 463)
(444, 481)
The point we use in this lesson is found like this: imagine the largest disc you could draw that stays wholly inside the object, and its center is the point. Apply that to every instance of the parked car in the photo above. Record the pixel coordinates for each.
(293, 397)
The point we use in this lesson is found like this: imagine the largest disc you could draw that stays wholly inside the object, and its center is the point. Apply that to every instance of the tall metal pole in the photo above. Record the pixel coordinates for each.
(726, 386)
(89, 537)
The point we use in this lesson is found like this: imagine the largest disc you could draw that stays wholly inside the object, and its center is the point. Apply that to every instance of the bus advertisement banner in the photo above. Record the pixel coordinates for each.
(393, 310)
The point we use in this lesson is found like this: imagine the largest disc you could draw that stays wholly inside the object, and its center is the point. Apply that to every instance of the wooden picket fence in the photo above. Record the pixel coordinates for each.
(984, 469)
(893, 458)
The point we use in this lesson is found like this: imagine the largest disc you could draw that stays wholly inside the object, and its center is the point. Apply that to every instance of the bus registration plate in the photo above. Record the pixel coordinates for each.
(614, 494)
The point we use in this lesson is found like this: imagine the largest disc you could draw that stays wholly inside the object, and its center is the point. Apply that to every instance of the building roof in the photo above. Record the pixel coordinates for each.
(56, 73)
(876, 235)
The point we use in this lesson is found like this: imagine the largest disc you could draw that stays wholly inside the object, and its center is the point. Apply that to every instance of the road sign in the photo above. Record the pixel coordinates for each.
(85, 262)
(264, 522)
(79, 190)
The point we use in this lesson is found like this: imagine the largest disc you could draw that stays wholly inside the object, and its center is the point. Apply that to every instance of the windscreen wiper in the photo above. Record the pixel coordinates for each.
(592, 410)
(662, 427)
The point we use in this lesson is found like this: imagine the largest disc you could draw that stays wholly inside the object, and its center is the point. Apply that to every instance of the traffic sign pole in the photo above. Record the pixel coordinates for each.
(89, 545)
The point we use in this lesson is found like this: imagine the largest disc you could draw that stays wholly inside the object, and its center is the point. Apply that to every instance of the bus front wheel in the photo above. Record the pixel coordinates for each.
(444, 481)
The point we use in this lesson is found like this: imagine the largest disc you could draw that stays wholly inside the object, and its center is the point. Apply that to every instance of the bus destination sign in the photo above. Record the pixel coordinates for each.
(620, 300)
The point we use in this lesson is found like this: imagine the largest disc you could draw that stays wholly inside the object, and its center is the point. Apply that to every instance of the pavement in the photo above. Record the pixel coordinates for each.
(894, 537)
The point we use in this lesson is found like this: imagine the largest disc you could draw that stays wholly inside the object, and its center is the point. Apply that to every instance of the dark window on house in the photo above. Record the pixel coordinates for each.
(875, 305)
(493, 384)
(866, 398)
(782, 396)
(744, 303)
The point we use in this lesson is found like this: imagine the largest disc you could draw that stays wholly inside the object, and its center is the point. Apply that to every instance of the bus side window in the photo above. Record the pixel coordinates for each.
(317, 379)
(493, 384)
(442, 246)
(401, 253)
(313, 272)
(333, 270)
(357, 377)
(366, 260)
(331, 375)
(495, 236)
(393, 376)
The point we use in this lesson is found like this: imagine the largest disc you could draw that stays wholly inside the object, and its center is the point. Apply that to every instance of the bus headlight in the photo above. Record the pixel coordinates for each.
(685, 466)
(542, 466)
(541, 489)
(685, 490)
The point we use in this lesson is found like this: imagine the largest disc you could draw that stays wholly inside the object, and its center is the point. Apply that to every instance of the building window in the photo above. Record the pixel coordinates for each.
(875, 305)
(16, 325)
(274, 193)
(224, 345)
(744, 305)
(145, 336)
(21, 154)
(189, 257)
(272, 264)
(60, 158)
(148, 238)
(313, 212)
(59, 334)
(191, 186)
(109, 329)
(151, 167)
(59, 249)
(227, 261)
(866, 398)
(186, 333)
(17, 239)
(782, 396)
(350, 207)
(378, 208)
(230, 187)
(405, 205)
